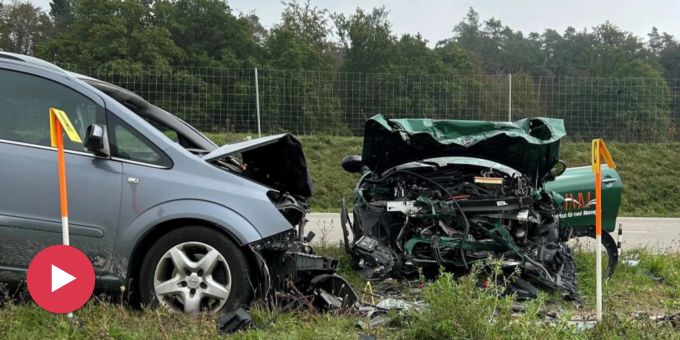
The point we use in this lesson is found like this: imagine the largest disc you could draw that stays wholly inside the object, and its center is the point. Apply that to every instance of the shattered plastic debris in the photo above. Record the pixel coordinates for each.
(631, 263)
(583, 325)
(373, 322)
(632, 260)
(376, 315)
(398, 304)
(234, 321)
(673, 319)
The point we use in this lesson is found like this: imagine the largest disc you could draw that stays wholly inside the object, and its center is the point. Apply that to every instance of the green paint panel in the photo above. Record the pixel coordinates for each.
(577, 186)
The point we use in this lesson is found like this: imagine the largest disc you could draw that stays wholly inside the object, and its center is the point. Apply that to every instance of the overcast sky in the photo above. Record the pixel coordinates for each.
(435, 19)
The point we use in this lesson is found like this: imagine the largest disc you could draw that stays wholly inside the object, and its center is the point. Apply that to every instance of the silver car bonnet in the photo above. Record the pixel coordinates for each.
(275, 161)
(230, 149)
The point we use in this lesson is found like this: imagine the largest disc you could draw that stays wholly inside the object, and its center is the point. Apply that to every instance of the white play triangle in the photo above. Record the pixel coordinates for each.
(60, 278)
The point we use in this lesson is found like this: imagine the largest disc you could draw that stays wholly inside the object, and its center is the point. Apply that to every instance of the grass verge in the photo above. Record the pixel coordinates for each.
(456, 308)
(650, 172)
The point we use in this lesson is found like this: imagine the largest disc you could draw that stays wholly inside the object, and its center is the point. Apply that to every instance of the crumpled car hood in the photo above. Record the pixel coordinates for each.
(276, 161)
(529, 145)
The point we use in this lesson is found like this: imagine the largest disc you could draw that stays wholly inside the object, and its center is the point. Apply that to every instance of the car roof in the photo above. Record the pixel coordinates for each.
(146, 109)
(31, 61)
(116, 92)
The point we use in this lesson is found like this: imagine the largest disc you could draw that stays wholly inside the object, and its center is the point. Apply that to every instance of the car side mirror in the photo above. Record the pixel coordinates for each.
(558, 168)
(97, 141)
(353, 164)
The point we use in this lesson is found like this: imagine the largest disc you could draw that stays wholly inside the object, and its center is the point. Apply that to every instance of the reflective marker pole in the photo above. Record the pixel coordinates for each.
(63, 200)
(595, 163)
(599, 151)
(598, 238)
(58, 123)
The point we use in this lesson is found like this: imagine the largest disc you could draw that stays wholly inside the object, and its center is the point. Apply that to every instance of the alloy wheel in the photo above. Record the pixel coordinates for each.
(192, 277)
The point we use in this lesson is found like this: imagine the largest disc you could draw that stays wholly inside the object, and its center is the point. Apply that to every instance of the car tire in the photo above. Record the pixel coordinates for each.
(195, 269)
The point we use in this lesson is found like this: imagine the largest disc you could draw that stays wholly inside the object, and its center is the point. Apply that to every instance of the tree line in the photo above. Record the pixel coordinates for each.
(631, 79)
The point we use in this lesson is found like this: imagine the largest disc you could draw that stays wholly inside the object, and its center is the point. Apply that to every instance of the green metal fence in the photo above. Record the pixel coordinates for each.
(308, 102)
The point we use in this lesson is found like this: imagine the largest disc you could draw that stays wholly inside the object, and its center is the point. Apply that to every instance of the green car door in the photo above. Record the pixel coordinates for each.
(577, 186)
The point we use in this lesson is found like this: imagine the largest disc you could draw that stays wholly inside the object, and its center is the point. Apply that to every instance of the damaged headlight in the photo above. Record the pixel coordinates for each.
(293, 209)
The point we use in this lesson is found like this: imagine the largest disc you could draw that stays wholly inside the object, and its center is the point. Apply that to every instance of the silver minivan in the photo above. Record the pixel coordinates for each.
(156, 206)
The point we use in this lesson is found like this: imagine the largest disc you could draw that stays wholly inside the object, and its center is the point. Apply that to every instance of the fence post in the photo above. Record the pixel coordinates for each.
(257, 105)
(509, 97)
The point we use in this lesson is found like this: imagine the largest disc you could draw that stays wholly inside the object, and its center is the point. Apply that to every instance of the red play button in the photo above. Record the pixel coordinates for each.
(60, 279)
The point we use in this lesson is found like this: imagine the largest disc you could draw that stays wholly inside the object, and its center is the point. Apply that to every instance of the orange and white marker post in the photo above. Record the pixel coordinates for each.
(59, 123)
(598, 152)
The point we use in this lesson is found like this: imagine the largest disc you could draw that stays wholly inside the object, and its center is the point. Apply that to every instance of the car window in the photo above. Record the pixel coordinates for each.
(25, 101)
(166, 130)
(128, 143)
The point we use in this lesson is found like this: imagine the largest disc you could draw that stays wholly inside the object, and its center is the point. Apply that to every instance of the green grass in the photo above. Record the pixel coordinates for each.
(650, 172)
(455, 309)
(652, 286)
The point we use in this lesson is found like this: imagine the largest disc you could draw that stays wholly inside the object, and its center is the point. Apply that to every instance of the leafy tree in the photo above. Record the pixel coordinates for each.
(367, 40)
(467, 33)
(4, 28)
(111, 31)
(301, 42)
(208, 33)
(23, 27)
(667, 49)
(62, 13)
(458, 58)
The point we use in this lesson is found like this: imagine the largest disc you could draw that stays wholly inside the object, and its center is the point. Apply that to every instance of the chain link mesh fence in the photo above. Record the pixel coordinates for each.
(338, 103)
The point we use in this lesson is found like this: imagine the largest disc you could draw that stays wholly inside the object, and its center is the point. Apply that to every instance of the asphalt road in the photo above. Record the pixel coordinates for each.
(657, 234)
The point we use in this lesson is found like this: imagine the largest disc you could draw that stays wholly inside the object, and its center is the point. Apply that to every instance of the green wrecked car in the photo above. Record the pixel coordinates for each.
(450, 193)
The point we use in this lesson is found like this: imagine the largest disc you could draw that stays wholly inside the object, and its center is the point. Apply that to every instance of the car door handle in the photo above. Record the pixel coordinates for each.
(608, 180)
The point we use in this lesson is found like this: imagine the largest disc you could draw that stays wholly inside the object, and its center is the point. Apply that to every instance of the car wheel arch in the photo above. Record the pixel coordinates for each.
(167, 213)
